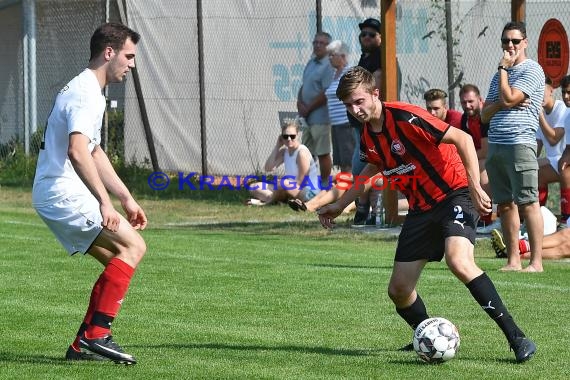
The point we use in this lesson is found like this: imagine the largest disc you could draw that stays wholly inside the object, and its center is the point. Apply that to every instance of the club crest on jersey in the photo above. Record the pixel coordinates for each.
(397, 147)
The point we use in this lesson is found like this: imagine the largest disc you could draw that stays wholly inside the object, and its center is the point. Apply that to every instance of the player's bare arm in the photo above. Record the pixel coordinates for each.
(112, 182)
(328, 213)
(85, 167)
(466, 149)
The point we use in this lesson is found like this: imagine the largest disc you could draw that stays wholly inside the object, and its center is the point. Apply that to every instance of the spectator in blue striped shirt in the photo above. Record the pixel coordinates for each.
(342, 135)
(512, 109)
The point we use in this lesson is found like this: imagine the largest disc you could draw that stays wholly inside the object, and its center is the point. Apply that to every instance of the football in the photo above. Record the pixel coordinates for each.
(436, 340)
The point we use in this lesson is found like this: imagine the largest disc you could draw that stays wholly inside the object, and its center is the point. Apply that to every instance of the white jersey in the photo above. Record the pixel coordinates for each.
(79, 107)
(556, 119)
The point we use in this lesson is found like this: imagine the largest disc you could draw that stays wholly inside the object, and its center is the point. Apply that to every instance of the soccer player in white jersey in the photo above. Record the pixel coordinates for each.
(512, 109)
(71, 191)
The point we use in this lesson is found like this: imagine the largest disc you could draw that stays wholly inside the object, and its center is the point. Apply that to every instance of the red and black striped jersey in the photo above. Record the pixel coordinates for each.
(408, 152)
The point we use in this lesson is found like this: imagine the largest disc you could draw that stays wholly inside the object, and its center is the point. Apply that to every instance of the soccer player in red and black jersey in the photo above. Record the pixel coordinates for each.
(402, 141)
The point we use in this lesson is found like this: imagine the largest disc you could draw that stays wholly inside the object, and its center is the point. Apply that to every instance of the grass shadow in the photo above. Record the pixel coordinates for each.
(257, 347)
(10, 357)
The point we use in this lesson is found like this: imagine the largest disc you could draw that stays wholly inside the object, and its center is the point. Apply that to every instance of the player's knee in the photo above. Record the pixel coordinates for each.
(135, 250)
(399, 291)
(463, 270)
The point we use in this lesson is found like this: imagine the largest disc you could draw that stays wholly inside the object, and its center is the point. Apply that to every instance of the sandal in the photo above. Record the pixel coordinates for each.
(297, 205)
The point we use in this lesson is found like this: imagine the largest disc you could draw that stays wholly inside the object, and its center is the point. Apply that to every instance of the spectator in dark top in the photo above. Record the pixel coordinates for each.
(472, 104)
(370, 42)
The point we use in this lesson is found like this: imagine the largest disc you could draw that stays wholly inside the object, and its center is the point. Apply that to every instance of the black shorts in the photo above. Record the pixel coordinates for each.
(423, 234)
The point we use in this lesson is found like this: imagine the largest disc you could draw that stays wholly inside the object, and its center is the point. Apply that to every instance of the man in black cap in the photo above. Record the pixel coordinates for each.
(370, 42)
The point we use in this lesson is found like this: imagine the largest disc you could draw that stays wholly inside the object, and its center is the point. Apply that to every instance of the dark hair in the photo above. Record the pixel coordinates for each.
(111, 34)
(547, 80)
(326, 35)
(469, 88)
(515, 25)
(565, 81)
(434, 94)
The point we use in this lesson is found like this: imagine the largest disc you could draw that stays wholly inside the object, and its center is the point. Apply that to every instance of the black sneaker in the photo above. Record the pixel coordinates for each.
(108, 348)
(407, 347)
(71, 354)
(361, 216)
(524, 349)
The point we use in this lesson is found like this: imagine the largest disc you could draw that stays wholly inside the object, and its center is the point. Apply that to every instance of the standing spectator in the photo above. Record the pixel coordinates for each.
(564, 162)
(342, 137)
(436, 104)
(370, 43)
(550, 135)
(512, 109)
(301, 179)
(472, 104)
(312, 104)
(400, 138)
(70, 192)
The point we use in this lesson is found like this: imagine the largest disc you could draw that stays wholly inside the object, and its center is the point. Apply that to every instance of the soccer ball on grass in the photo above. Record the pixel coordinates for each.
(436, 340)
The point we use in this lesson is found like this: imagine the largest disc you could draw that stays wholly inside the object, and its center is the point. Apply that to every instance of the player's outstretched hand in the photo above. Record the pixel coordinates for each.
(328, 213)
(135, 214)
(481, 201)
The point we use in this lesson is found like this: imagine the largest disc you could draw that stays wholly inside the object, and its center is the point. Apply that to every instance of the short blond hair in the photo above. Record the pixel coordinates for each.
(352, 79)
(435, 94)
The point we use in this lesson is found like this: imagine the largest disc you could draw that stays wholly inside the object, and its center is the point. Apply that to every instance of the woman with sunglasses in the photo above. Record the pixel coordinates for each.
(301, 179)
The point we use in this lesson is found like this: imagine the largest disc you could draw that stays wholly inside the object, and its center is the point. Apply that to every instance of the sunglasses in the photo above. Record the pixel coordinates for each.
(367, 34)
(515, 41)
(286, 137)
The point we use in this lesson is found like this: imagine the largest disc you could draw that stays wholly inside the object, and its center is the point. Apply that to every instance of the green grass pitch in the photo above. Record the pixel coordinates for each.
(226, 291)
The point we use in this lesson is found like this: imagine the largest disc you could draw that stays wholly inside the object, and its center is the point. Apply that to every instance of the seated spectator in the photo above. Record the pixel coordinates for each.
(555, 244)
(554, 247)
(472, 104)
(342, 136)
(436, 104)
(301, 178)
(550, 135)
(564, 162)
